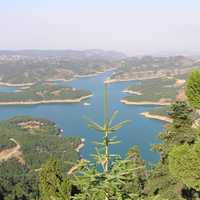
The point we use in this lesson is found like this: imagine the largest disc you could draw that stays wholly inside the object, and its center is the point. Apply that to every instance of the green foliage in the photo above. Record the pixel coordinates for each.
(161, 182)
(181, 113)
(184, 164)
(38, 144)
(97, 185)
(103, 155)
(17, 182)
(52, 184)
(157, 197)
(178, 132)
(193, 89)
(140, 175)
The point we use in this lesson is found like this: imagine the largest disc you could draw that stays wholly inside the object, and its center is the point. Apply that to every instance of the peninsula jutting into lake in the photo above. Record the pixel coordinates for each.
(44, 93)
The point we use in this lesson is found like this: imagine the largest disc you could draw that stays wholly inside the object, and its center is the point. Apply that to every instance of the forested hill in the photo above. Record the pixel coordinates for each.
(38, 139)
(25, 144)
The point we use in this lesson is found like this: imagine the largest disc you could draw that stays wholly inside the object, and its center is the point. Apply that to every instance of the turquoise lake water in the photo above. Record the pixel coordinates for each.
(140, 131)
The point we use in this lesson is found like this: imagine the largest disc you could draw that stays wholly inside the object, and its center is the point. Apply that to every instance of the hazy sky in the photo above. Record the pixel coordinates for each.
(131, 26)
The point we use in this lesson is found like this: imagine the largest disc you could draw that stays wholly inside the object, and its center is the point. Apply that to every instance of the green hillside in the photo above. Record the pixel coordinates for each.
(39, 140)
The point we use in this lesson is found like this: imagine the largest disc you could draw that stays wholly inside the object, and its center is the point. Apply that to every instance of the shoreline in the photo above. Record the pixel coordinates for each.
(76, 76)
(77, 149)
(116, 80)
(110, 81)
(144, 103)
(78, 100)
(16, 84)
(156, 117)
(82, 76)
(80, 146)
(132, 92)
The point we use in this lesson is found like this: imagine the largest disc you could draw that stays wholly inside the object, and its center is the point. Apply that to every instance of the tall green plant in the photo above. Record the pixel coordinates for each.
(119, 179)
(110, 183)
(108, 129)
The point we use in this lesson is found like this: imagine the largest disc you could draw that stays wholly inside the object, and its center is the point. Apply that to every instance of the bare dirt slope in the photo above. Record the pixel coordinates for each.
(14, 152)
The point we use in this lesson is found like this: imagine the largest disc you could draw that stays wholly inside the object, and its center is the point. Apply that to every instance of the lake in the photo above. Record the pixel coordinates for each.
(70, 117)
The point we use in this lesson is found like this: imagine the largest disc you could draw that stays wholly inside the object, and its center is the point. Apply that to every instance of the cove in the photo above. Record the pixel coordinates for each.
(70, 117)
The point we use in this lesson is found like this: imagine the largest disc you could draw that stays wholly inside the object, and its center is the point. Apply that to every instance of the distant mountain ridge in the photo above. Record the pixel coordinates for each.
(67, 54)
(32, 66)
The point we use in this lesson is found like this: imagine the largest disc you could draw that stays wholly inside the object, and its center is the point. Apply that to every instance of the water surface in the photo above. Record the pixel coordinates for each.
(70, 117)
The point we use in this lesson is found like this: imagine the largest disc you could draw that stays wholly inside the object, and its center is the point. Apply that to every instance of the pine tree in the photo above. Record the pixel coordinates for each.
(108, 182)
(108, 178)
(52, 184)
(140, 175)
(193, 89)
(161, 180)
(184, 164)
(180, 131)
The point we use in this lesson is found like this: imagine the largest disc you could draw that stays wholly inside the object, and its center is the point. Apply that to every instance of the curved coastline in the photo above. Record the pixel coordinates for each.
(16, 84)
(132, 92)
(81, 76)
(78, 148)
(78, 100)
(156, 117)
(141, 103)
(110, 81)
(76, 76)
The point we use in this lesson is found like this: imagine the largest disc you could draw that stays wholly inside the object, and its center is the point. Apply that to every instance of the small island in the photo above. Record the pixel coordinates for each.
(44, 93)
